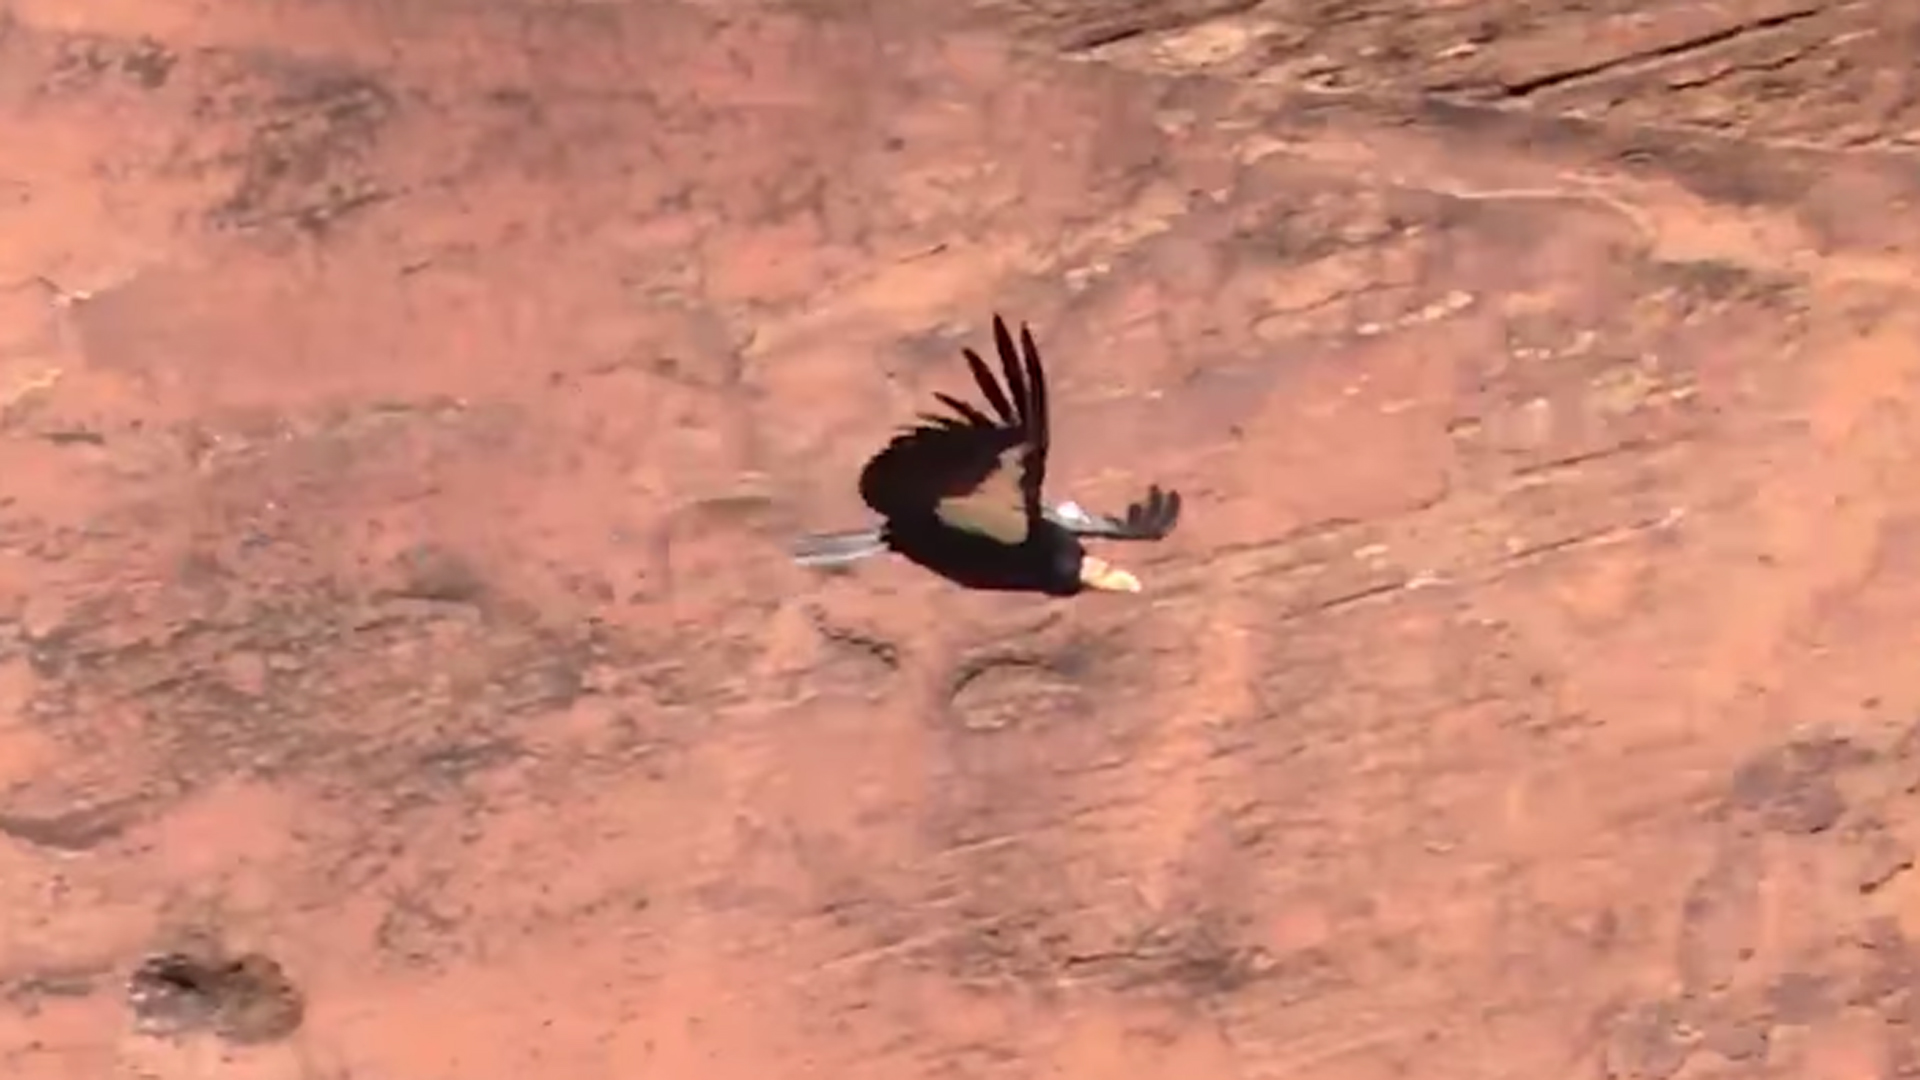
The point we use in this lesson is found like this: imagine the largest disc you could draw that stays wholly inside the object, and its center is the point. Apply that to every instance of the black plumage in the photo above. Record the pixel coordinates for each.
(961, 492)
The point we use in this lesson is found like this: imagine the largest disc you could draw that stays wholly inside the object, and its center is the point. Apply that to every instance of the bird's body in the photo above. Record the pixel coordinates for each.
(1049, 560)
(960, 494)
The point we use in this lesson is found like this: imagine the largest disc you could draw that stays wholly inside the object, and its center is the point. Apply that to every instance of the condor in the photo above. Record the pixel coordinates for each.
(960, 494)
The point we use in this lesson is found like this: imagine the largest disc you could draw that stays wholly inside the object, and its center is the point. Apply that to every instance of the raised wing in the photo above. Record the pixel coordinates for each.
(1151, 518)
(976, 472)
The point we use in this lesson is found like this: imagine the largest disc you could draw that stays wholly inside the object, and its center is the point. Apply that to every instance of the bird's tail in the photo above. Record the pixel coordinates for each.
(837, 548)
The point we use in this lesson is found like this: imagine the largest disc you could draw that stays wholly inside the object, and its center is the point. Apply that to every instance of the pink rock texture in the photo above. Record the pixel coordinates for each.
(404, 409)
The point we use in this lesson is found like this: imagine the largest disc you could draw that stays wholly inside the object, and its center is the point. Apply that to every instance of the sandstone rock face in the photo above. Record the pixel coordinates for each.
(403, 408)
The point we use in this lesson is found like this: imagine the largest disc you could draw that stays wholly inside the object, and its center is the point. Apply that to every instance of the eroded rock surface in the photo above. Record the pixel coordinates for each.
(403, 408)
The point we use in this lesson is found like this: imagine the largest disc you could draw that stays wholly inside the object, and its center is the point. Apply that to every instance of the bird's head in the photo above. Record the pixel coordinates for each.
(1098, 573)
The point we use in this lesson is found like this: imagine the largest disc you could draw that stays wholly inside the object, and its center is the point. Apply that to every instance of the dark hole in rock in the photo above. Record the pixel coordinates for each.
(242, 999)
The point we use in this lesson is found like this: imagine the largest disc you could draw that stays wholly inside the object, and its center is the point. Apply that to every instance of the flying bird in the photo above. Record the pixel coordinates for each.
(960, 494)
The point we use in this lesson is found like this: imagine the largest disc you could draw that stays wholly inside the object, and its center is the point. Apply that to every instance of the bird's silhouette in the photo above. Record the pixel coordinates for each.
(961, 493)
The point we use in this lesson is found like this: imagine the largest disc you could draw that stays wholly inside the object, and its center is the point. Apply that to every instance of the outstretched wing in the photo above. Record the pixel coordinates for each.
(978, 472)
(838, 548)
(1151, 518)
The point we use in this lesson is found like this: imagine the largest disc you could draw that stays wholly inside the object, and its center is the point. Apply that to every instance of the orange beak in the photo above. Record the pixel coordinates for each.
(1097, 573)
